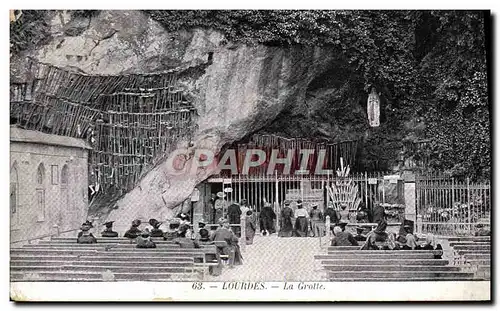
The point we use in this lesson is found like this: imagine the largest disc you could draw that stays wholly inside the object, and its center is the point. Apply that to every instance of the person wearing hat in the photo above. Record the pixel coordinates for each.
(171, 232)
(301, 220)
(378, 213)
(359, 234)
(362, 215)
(250, 227)
(85, 237)
(267, 217)
(411, 241)
(156, 232)
(482, 231)
(134, 230)
(286, 223)
(234, 217)
(334, 219)
(343, 237)
(231, 247)
(213, 198)
(377, 238)
(220, 205)
(144, 240)
(316, 219)
(203, 233)
(108, 232)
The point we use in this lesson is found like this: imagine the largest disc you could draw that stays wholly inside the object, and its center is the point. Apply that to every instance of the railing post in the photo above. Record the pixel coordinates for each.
(243, 239)
(469, 218)
(55, 230)
(276, 204)
(327, 229)
(419, 224)
(97, 225)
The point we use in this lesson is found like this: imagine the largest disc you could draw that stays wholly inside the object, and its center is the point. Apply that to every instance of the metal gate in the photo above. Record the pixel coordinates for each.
(452, 207)
(311, 189)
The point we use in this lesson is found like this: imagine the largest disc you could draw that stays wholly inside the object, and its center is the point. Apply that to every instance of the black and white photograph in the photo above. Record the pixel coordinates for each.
(250, 155)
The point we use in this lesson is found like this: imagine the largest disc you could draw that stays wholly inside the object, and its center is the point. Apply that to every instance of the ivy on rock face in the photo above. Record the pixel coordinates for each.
(427, 65)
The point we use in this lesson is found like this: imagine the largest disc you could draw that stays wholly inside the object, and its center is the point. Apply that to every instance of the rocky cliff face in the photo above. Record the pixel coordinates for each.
(237, 90)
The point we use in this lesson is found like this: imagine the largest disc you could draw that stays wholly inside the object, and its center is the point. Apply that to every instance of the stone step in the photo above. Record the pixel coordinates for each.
(112, 249)
(100, 241)
(479, 261)
(336, 255)
(95, 268)
(472, 247)
(131, 263)
(379, 254)
(98, 247)
(127, 253)
(356, 267)
(452, 244)
(470, 238)
(398, 274)
(335, 249)
(475, 255)
(378, 262)
(95, 246)
(103, 257)
(95, 276)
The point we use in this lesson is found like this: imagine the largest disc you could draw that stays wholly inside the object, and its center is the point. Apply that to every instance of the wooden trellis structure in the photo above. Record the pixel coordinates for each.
(268, 143)
(132, 121)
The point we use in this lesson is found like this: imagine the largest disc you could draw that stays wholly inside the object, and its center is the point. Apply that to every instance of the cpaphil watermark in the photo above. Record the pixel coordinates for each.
(183, 161)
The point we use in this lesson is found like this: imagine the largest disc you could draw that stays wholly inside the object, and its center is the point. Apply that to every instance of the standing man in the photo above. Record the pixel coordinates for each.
(286, 218)
(267, 217)
(334, 219)
(234, 217)
(316, 219)
(211, 203)
(219, 205)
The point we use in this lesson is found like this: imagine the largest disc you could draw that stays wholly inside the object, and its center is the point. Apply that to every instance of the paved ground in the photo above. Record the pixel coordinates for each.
(271, 258)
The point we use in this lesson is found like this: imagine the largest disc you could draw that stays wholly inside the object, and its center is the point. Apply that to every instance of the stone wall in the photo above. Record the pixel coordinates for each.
(65, 202)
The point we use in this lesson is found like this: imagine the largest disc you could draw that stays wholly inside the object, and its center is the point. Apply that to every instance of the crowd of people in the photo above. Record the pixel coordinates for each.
(180, 231)
(380, 239)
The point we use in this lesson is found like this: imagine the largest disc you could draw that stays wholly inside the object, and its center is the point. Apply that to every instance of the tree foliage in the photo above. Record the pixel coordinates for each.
(30, 29)
(428, 65)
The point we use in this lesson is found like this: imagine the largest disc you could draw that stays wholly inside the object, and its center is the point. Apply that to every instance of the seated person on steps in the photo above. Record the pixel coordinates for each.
(156, 232)
(144, 240)
(342, 238)
(359, 235)
(203, 233)
(410, 241)
(85, 237)
(185, 238)
(430, 244)
(231, 247)
(171, 232)
(379, 238)
(108, 232)
(134, 230)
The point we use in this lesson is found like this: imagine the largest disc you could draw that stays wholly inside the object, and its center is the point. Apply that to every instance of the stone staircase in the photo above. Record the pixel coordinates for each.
(111, 259)
(352, 264)
(472, 254)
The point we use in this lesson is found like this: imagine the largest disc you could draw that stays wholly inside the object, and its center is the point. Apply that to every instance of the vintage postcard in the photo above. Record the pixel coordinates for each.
(250, 155)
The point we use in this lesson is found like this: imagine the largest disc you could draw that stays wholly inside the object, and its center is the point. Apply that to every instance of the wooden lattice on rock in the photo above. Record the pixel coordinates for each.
(132, 121)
